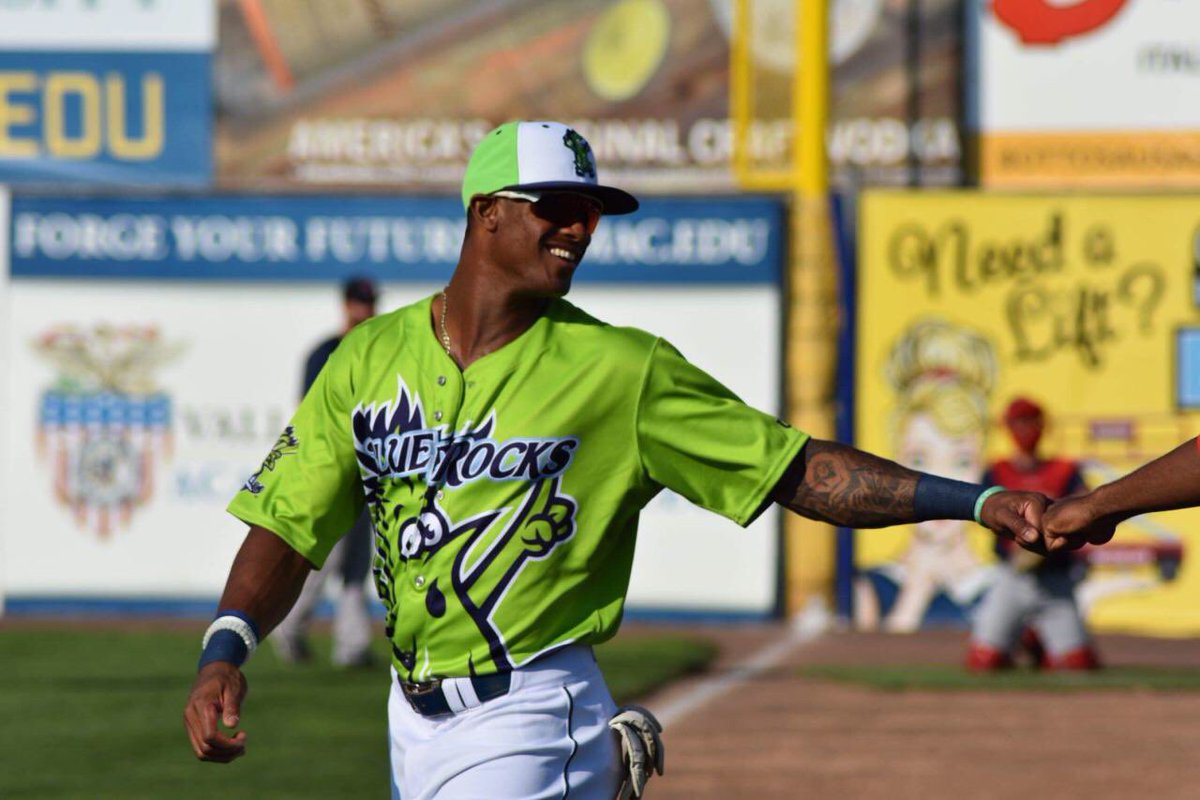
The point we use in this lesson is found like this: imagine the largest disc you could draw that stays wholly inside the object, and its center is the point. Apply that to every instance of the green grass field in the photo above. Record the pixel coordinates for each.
(950, 677)
(99, 715)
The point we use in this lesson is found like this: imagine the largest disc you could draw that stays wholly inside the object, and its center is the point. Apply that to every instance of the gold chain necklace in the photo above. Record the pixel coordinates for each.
(445, 333)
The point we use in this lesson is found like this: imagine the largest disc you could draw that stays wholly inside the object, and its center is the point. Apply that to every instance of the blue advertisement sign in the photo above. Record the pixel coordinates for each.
(105, 118)
(1187, 369)
(724, 240)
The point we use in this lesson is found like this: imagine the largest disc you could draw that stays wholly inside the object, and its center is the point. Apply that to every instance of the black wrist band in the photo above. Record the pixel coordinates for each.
(943, 498)
(224, 645)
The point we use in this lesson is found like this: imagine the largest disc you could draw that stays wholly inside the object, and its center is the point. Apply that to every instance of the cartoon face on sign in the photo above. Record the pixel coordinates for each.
(943, 375)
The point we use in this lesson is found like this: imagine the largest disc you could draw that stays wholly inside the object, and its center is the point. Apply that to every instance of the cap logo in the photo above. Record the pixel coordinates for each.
(584, 166)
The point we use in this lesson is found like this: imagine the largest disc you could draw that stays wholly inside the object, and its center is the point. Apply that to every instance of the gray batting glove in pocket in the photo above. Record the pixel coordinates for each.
(641, 748)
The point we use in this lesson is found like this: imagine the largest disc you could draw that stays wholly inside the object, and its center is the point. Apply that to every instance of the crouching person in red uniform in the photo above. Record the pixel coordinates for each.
(1032, 603)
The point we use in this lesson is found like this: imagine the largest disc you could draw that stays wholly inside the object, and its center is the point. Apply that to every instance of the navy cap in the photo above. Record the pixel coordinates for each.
(360, 289)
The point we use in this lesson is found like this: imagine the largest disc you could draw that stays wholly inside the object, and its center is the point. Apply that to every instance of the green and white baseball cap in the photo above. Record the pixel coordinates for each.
(539, 157)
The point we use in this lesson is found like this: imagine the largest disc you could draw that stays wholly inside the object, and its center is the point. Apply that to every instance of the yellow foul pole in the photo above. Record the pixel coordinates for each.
(809, 546)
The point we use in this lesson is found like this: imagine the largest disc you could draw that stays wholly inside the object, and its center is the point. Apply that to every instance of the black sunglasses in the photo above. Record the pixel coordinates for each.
(563, 209)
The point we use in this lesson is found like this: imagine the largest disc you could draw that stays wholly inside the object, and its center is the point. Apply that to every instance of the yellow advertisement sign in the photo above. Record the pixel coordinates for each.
(1086, 306)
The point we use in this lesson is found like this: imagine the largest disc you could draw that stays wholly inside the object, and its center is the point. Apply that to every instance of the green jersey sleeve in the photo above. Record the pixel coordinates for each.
(700, 440)
(308, 490)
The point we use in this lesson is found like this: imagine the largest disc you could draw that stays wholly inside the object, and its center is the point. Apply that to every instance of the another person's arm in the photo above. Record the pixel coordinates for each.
(264, 582)
(1168, 482)
(838, 484)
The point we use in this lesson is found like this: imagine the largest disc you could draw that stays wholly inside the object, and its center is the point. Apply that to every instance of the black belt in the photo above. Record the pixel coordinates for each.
(429, 697)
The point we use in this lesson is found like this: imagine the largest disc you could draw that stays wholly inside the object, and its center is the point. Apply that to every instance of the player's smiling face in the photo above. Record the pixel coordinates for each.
(544, 242)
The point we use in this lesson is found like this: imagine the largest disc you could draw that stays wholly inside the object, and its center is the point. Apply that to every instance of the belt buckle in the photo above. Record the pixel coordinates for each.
(417, 689)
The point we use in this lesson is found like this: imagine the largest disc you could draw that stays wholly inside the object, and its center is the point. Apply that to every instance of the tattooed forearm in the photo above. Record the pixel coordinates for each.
(835, 483)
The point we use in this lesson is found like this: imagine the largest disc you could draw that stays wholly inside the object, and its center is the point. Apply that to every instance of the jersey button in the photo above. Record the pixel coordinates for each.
(441, 380)
(437, 415)
(419, 581)
(440, 494)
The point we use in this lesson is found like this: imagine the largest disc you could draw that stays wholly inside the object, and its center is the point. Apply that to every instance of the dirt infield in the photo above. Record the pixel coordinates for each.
(779, 735)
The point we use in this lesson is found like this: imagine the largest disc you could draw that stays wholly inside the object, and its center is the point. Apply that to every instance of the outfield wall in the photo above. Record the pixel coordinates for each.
(6, 461)
(157, 347)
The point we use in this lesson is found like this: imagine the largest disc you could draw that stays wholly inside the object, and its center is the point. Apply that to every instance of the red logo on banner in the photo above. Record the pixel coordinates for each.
(1044, 22)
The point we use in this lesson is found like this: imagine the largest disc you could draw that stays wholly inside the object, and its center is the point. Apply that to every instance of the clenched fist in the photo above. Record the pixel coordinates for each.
(1072, 522)
(1017, 516)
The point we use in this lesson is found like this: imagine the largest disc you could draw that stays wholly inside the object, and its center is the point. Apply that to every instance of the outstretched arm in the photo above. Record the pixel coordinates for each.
(264, 582)
(838, 484)
(1168, 482)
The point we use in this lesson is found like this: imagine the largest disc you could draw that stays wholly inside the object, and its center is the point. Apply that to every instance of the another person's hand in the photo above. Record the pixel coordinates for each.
(216, 695)
(1075, 521)
(1017, 516)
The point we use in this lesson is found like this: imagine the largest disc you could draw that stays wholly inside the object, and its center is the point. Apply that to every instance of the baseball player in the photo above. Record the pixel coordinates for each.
(350, 559)
(1032, 601)
(504, 442)
(1168, 482)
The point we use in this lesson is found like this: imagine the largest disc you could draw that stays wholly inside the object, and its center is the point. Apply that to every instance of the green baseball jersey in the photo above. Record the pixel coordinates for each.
(505, 497)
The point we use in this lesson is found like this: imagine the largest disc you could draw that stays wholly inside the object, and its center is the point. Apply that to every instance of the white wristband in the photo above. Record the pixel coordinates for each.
(238, 626)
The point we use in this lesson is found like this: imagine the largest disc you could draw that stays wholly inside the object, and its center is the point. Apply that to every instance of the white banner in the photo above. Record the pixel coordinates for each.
(1063, 68)
(688, 558)
(211, 372)
(122, 25)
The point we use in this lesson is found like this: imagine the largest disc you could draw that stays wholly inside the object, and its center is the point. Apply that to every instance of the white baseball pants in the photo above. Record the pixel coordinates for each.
(548, 737)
